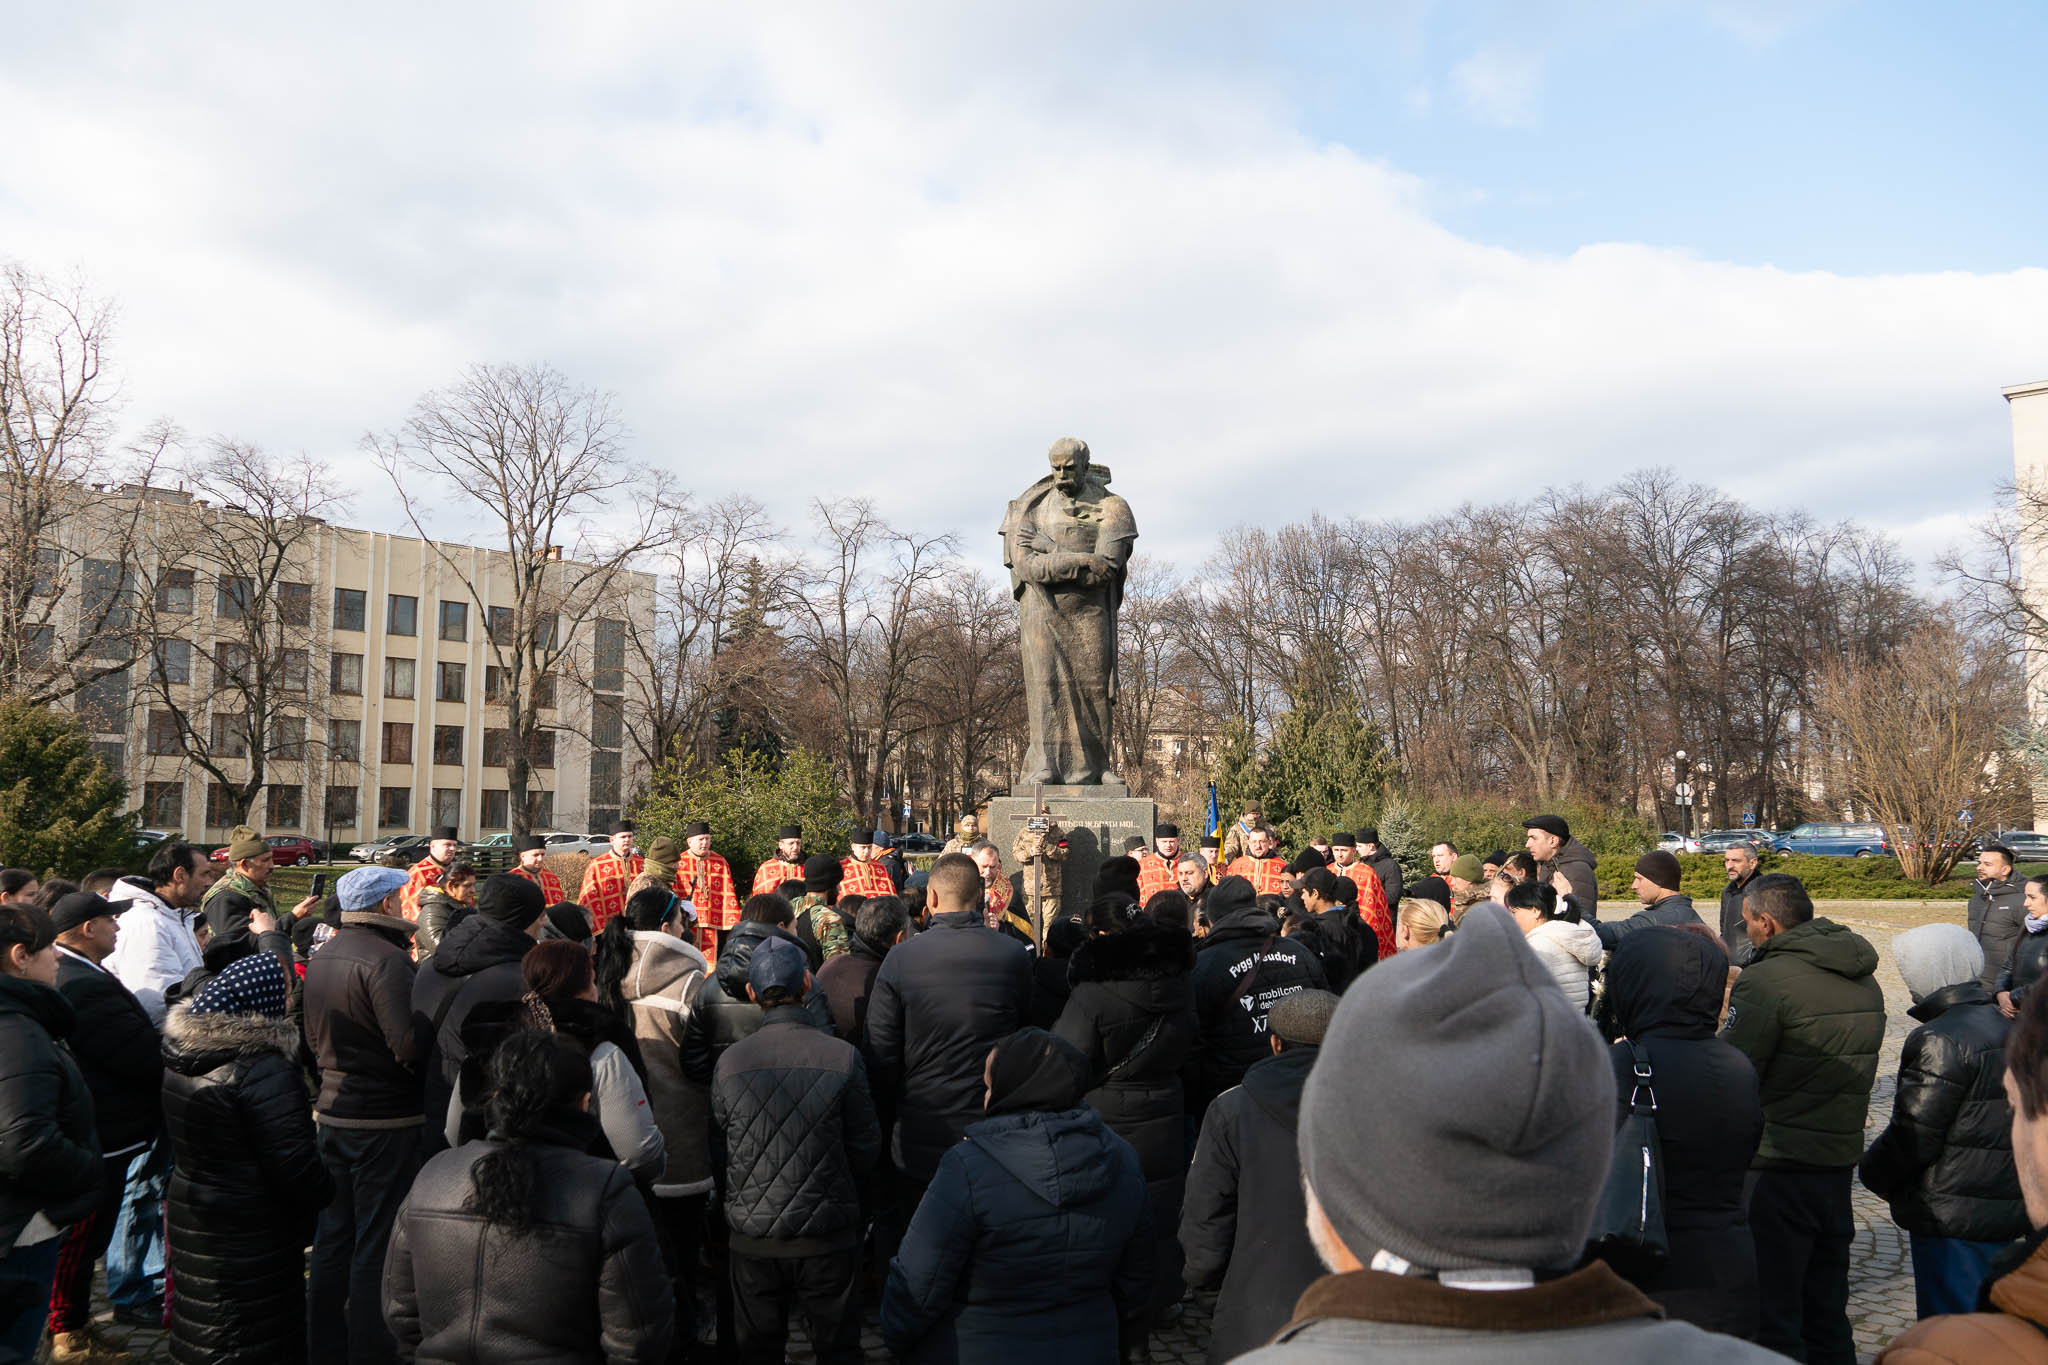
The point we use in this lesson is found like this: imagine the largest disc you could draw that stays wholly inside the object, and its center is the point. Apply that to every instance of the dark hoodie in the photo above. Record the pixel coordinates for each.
(477, 963)
(1809, 1015)
(1032, 1242)
(723, 1014)
(1664, 988)
(1245, 1224)
(1243, 959)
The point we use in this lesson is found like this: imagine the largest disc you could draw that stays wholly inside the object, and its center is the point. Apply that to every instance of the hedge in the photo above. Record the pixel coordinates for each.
(1860, 879)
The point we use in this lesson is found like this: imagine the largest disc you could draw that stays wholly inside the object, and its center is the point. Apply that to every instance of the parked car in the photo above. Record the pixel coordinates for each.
(1836, 841)
(916, 843)
(2026, 846)
(1721, 840)
(557, 841)
(147, 839)
(1671, 841)
(295, 849)
(375, 849)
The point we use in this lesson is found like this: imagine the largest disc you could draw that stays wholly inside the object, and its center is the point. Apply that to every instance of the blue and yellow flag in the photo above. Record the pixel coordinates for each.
(1215, 820)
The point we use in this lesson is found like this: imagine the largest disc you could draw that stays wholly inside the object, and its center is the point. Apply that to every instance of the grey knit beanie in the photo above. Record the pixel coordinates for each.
(1461, 1113)
(1936, 956)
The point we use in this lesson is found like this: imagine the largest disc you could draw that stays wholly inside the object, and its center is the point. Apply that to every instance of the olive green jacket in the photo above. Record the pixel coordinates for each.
(1809, 1014)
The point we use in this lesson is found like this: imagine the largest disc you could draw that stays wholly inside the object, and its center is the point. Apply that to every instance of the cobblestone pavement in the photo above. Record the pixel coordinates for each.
(1881, 1271)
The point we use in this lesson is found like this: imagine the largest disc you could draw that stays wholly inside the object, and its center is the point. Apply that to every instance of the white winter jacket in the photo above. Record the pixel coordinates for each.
(1570, 951)
(156, 948)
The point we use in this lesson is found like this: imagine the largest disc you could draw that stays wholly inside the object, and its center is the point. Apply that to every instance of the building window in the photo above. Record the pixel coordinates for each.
(292, 667)
(544, 692)
(233, 597)
(604, 779)
(162, 734)
(448, 806)
(541, 749)
(394, 807)
(295, 604)
(163, 805)
(398, 678)
(454, 620)
(494, 685)
(498, 625)
(341, 807)
(173, 661)
(448, 744)
(345, 741)
(540, 810)
(608, 657)
(230, 665)
(402, 615)
(113, 753)
(222, 809)
(497, 810)
(283, 809)
(38, 644)
(495, 744)
(348, 608)
(288, 737)
(495, 688)
(448, 682)
(397, 742)
(107, 602)
(230, 735)
(607, 723)
(601, 817)
(345, 674)
(174, 596)
(47, 576)
(103, 703)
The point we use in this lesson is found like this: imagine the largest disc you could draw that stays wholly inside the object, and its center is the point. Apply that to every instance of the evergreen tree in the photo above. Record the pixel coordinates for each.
(60, 804)
(744, 797)
(1323, 771)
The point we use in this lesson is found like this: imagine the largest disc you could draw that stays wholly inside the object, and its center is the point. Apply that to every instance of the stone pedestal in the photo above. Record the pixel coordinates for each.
(1096, 820)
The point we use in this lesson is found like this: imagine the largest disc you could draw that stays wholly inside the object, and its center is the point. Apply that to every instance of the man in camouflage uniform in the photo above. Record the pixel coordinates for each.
(239, 907)
(1038, 853)
(966, 830)
(819, 926)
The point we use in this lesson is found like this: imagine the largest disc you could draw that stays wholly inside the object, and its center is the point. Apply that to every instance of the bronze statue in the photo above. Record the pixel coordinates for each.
(1067, 541)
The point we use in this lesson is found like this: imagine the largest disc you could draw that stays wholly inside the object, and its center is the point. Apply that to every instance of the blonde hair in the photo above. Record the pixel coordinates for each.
(1425, 921)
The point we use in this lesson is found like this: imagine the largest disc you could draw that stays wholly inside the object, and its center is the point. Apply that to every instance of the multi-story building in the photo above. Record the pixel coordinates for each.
(392, 709)
(2029, 406)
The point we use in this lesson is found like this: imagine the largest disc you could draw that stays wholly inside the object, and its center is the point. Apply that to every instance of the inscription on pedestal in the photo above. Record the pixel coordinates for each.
(1097, 820)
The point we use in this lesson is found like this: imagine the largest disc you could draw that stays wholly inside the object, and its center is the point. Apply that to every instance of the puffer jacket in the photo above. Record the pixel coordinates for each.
(1245, 1224)
(1579, 866)
(1809, 1015)
(439, 912)
(1664, 992)
(940, 1002)
(49, 1158)
(1672, 910)
(723, 1014)
(2029, 958)
(1244, 958)
(1388, 869)
(661, 988)
(586, 1285)
(1945, 1162)
(1031, 1245)
(1132, 1015)
(1997, 916)
(1734, 937)
(246, 1186)
(793, 1133)
(477, 962)
(1569, 952)
(118, 1052)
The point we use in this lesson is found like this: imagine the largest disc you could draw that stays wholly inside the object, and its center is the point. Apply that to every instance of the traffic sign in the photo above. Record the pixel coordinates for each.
(1684, 790)
(1749, 819)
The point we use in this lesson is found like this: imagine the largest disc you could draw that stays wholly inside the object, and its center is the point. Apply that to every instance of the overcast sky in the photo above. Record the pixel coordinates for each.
(1371, 259)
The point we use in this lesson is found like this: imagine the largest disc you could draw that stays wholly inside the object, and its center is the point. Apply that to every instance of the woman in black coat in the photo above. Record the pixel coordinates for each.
(1131, 1013)
(49, 1159)
(1665, 987)
(247, 1182)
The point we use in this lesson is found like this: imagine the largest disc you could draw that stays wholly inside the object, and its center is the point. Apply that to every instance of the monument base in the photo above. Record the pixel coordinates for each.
(1096, 821)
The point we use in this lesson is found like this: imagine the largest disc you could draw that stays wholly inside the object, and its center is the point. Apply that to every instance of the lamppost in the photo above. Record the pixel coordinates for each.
(1683, 791)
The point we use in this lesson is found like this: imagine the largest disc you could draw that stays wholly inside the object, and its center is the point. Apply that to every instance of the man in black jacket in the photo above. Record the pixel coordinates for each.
(793, 1134)
(360, 1026)
(478, 961)
(1740, 861)
(1997, 908)
(724, 1013)
(1243, 1224)
(121, 1057)
(1656, 886)
(1384, 864)
(1945, 1161)
(939, 1003)
(1242, 969)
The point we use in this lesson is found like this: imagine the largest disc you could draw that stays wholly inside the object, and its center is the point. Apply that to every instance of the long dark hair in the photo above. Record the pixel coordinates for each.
(534, 1077)
(650, 908)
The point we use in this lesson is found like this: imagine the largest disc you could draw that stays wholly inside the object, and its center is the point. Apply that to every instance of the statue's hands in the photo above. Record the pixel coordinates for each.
(1036, 541)
(1098, 571)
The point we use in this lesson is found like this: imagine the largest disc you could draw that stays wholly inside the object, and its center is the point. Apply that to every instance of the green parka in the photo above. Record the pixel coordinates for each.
(1810, 1016)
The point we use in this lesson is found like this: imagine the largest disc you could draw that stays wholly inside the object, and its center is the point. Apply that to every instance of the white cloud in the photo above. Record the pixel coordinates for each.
(816, 256)
(1499, 86)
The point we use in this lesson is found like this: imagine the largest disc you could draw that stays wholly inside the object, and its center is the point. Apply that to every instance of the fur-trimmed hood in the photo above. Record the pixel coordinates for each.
(1144, 953)
(195, 1044)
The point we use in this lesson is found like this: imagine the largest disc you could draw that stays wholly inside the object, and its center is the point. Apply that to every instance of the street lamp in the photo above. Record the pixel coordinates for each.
(1683, 791)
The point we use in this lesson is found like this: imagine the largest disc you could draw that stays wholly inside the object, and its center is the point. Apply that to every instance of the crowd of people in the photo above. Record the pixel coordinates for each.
(438, 1116)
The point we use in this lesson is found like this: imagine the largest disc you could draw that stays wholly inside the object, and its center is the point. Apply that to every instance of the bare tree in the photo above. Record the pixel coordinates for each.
(540, 459)
(240, 696)
(971, 698)
(67, 535)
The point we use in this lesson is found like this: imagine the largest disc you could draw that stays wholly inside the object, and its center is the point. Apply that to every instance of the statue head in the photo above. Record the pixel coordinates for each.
(1069, 457)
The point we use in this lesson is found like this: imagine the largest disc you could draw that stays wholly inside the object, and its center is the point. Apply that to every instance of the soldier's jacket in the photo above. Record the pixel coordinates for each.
(1049, 847)
(827, 926)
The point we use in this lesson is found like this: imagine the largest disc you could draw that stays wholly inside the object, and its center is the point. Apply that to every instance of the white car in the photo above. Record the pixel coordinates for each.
(1671, 841)
(557, 841)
